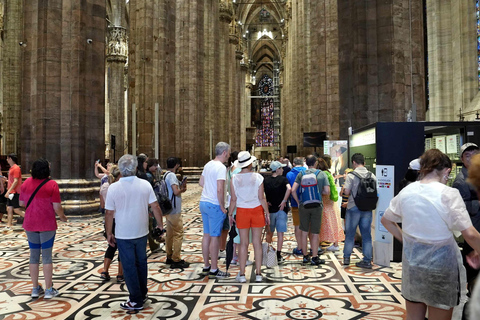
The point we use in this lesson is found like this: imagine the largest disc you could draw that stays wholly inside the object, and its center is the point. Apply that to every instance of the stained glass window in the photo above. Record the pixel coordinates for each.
(264, 137)
(477, 4)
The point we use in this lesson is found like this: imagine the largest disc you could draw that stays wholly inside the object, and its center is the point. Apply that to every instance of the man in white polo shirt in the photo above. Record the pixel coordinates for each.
(129, 199)
(212, 207)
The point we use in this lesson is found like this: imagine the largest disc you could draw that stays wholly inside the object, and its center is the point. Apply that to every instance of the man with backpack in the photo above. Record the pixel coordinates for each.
(174, 221)
(361, 187)
(312, 183)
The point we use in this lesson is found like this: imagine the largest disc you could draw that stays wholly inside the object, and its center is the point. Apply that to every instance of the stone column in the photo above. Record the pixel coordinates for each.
(13, 46)
(189, 88)
(63, 94)
(117, 50)
(151, 73)
(380, 52)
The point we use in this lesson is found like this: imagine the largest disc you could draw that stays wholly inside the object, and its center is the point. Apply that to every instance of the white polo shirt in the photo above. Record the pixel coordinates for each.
(129, 198)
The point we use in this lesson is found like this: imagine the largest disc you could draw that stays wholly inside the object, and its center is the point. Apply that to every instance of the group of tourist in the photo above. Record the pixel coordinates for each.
(433, 275)
(259, 205)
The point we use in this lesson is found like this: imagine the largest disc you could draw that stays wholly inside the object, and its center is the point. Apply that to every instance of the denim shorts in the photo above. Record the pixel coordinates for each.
(278, 220)
(212, 217)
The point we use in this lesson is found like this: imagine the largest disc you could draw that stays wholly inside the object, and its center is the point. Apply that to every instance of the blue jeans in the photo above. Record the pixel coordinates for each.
(363, 219)
(133, 254)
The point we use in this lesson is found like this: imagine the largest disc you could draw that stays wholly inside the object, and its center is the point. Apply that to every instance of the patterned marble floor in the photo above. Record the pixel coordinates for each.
(290, 291)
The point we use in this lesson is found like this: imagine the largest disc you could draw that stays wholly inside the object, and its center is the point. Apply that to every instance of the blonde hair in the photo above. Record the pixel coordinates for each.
(113, 174)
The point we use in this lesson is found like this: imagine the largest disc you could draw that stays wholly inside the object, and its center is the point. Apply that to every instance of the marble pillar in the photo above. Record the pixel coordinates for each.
(63, 96)
(13, 47)
(117, 51)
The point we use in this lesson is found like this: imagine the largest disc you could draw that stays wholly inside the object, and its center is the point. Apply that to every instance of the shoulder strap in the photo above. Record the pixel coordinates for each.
(35, 192)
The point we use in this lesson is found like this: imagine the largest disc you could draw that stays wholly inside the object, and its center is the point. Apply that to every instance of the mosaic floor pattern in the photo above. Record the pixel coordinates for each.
(289, 291)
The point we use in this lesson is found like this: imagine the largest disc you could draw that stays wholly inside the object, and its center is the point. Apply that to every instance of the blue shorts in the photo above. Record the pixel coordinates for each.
(278, 220)
(212, 217)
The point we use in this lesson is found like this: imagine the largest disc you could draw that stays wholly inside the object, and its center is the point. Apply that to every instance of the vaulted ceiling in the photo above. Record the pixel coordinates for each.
(262, 23)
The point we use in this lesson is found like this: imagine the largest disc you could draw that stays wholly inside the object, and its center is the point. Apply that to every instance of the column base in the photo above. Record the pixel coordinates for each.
(79, 196)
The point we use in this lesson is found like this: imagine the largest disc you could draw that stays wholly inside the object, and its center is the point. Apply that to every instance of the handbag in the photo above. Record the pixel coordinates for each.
(269, 258)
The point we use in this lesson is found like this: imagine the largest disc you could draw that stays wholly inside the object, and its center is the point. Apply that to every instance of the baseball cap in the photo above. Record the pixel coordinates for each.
(276, 164)
(469, 146)
(415, 164)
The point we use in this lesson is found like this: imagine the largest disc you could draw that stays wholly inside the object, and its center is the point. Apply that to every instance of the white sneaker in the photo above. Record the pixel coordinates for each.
(240, 279)
(333, 248)
(249, 263)
(258, 278)
(222, 254)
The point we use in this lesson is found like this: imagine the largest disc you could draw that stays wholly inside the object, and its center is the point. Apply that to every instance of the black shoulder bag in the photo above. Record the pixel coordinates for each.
(35, 192)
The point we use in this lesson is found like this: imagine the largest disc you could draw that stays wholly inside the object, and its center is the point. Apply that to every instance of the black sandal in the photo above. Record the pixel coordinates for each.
(105, 276)
(120, 278)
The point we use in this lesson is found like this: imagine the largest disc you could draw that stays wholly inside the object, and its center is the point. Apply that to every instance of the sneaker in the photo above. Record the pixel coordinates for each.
(316, 261)
(218, 274)
(346, 261)
(205, 271)
(234, 261)
(320, 251)
(145, 299)
(333, 248)
(249, 263)
(50, 293)
(298, 251)
(37, 292)
(280, 259)
(130, 305)
(222, 254)
(240, 278)
(169, 261)
(306, 259)
(182, 264)
(364, 264)
(258, 278)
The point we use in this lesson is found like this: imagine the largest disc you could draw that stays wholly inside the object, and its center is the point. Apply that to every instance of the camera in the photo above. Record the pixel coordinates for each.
(89, 41)
(157, 233)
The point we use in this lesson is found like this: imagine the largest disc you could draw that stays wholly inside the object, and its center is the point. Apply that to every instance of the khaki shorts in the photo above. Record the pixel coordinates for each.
(295, 217)
(311, 219)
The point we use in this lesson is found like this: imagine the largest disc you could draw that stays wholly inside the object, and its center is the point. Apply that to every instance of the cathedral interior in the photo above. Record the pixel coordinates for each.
(96, 79)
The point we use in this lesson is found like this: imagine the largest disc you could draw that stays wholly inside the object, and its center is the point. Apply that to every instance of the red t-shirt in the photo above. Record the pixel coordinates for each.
(40, 215)
(13, 173)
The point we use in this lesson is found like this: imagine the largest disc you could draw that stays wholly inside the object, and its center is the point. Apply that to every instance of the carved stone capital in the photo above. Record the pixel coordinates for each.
(239, 55)
(249, 86)
(226, 11)
(117, 44)
(233, 39)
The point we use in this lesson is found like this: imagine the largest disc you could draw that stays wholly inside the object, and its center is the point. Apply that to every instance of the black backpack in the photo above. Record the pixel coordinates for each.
(366, 197)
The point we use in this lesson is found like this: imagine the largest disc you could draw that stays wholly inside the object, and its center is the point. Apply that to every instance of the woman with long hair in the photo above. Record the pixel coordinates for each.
(433, 276)
(248, 198)
(41, 198)
(331, 228)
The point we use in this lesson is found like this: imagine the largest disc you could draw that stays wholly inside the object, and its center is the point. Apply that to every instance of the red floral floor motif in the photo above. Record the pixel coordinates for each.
(289, 291)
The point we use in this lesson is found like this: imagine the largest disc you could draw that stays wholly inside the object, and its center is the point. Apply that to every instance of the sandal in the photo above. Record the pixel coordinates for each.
(105, 276)
(120, 278)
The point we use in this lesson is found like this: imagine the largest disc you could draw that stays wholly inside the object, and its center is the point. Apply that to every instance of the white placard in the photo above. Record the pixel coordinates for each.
(440, 143)
(385, 188)
(452, 146)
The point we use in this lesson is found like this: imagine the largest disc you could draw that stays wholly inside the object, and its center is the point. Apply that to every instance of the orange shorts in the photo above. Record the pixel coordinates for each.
(250, 218)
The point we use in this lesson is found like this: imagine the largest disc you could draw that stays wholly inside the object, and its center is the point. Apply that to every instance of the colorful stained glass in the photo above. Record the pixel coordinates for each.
(477, 4)
(264, 137)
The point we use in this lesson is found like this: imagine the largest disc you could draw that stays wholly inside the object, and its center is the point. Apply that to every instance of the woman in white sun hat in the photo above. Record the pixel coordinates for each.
(248, 198)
